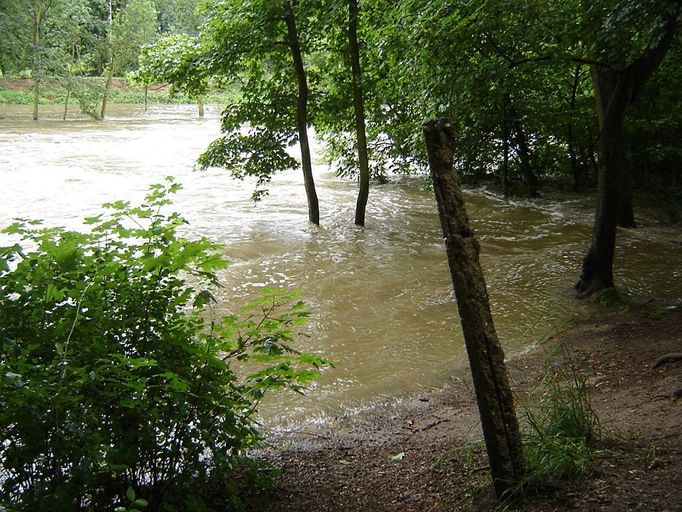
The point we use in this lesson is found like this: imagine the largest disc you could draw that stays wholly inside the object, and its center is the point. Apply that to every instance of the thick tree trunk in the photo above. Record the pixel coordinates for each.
(615, 90)
(626, 209)
(302, 114)
(597, 271)
(486, 357)
(358, 105)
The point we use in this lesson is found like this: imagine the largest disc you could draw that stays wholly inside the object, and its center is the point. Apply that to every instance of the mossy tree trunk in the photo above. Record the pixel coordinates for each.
(486, 357)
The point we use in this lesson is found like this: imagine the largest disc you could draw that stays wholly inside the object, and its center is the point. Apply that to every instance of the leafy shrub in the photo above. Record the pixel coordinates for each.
(115, 372)
(565, 428)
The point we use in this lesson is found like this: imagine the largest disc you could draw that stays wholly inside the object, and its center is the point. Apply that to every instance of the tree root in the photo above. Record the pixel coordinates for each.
(667, 358)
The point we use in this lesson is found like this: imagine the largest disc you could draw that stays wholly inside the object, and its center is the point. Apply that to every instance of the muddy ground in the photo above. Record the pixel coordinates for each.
(427, 454)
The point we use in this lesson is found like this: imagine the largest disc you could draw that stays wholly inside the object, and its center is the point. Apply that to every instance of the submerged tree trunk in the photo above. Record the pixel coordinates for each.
(107, 87)
(66, 102)
(36, 96)
(524, 155)
(200, 105)
(37, 60)
(597, 271)
(358, 105)
(486, 357)
(615, 90)
(302, 113)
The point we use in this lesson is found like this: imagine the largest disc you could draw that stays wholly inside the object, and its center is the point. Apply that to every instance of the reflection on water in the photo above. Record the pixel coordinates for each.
(380, 296)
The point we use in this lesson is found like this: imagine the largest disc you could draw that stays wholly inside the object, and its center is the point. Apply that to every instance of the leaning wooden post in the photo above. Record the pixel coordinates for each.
(486, 358)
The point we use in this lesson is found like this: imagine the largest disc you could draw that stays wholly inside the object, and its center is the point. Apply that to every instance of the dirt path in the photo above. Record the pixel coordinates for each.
(426, 455)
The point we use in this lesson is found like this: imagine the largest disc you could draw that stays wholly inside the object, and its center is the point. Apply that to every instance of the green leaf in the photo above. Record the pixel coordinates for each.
(130, 494)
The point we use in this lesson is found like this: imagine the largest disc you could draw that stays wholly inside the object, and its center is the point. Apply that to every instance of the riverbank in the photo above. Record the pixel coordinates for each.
(19, 91)
(426, 455)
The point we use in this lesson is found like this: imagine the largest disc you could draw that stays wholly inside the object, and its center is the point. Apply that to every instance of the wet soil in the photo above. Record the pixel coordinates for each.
(427, 454)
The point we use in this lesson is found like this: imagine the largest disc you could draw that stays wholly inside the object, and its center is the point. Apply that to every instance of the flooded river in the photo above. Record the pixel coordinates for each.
(380, 297)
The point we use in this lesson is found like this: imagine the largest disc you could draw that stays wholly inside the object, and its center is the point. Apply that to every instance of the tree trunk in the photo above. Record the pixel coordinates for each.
(597, 271)
(107, 87)
(37, 61)
(146, 96)
(302, 113)
(615, 91)
(505, 145)
(66, 102)
(524, 155)
(200, 105)
(36, 96)
(358, 105)
(626, 209)
(486, 357)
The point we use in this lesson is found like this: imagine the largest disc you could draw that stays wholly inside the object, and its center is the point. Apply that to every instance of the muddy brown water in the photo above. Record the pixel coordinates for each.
(380, 297)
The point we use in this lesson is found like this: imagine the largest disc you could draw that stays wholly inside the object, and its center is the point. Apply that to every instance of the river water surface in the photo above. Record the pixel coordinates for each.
(380, 297)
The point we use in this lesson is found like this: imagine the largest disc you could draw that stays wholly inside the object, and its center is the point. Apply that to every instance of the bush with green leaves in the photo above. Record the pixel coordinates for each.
(115, 371)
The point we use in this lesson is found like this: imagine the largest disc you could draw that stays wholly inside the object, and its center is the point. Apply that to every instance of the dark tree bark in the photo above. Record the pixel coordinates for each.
(486, 357)
(302, 113)
(615, 90)
(524, 155)
(359, 108)
(626, 208)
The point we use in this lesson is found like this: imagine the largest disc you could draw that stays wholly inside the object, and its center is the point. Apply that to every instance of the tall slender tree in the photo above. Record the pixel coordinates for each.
(302, 111)
(129, 30)
(359, 110)
(262, 45)
(39, 11)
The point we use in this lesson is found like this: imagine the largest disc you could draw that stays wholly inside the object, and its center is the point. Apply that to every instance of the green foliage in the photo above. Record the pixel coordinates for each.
(258, 153)
(115, 372)
(132, 28)
(176, 59)
(565, 428)
(247, 43)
